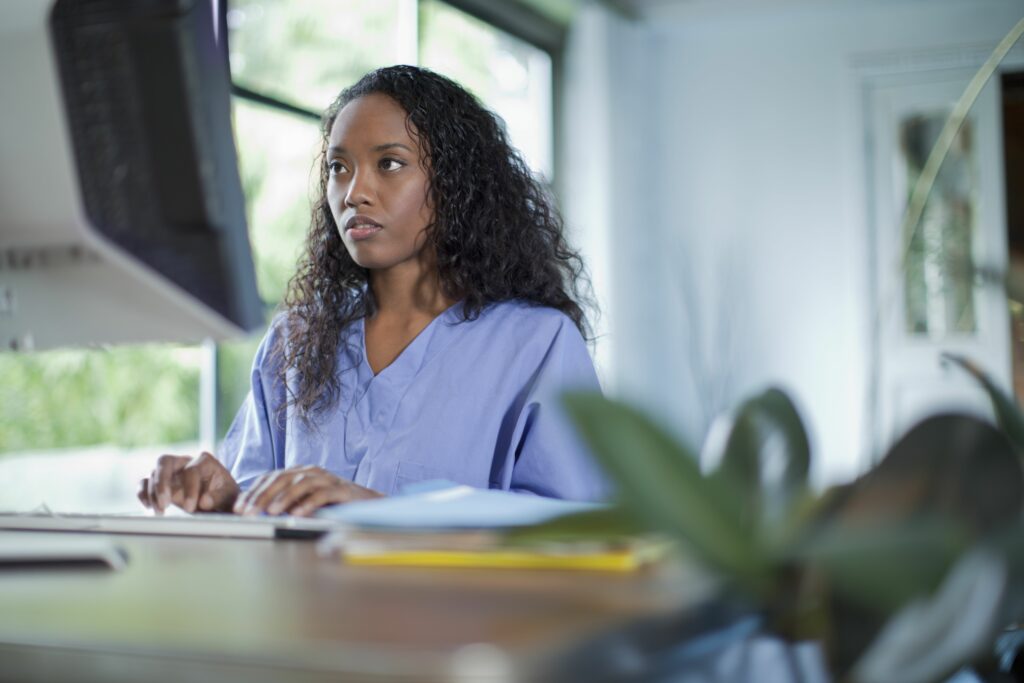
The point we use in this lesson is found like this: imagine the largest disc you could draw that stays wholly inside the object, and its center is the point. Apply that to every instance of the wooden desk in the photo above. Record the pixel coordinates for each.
(190, 609)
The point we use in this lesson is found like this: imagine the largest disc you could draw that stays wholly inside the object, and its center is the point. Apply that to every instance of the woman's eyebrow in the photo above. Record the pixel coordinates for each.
(335, 149)
(390, 145)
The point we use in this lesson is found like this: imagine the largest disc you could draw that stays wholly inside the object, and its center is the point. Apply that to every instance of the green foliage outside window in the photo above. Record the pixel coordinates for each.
(129, 396)
(305, 52)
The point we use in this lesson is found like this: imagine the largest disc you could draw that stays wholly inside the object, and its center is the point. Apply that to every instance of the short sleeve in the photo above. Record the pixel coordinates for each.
(550, 459)
(254, 444)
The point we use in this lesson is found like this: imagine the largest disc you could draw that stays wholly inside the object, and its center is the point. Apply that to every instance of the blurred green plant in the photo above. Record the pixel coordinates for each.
(863, 568)
(1006, 410)
(834, 566)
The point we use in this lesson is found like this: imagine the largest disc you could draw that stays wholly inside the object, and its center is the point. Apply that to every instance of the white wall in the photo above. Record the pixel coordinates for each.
(729, 230)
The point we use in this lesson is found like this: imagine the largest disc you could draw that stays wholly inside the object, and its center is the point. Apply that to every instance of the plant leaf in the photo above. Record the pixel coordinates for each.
(777, 409)
(932, 638)
(801, 518)
(767, 453)
(883, 566)
(952, 466)
(606, 524)
(1008, 413)
(660, 484)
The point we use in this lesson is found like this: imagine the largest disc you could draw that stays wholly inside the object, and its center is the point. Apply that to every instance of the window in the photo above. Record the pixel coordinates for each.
(509, 75)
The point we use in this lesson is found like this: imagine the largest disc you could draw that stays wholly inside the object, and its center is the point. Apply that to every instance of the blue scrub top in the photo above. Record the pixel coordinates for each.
(471, 401)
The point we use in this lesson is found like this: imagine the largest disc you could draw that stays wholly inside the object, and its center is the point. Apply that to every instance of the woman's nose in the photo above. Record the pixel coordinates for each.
(359, 190)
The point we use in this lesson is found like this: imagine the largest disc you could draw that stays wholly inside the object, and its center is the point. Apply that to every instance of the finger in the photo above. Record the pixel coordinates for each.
(249, 496)
(161, 481)
(191, 484)
(246, 498)
(261, 497)
(221, 492)
(152, 479)
(143, 492)
(154, 500)
(177, 489)
(202, 483)
(319, 498)
(302, 487)
(279, 484)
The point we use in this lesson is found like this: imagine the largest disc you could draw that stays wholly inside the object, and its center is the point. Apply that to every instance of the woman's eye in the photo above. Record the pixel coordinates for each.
(390, 164)
(335, 167)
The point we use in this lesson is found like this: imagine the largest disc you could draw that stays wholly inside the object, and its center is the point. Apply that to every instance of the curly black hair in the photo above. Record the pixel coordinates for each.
(496, 232)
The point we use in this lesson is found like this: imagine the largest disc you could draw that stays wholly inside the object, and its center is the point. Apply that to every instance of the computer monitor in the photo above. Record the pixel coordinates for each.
(121, 211)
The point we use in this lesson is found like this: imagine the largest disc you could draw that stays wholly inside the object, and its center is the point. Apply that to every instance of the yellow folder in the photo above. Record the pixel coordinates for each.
(620, 559)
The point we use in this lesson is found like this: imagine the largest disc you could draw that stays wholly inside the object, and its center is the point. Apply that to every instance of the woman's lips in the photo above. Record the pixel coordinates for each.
(361, 227)
(361, 232)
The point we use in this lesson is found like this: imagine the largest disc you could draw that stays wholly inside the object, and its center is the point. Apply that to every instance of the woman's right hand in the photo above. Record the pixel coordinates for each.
(194, 484)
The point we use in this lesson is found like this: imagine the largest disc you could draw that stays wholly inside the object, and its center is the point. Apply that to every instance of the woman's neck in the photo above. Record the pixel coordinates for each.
(408, 293)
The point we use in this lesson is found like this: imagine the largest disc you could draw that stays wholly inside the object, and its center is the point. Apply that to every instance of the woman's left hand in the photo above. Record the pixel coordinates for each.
(299, 491)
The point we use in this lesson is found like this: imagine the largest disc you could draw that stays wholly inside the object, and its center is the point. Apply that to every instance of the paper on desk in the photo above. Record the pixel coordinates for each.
(453, 507)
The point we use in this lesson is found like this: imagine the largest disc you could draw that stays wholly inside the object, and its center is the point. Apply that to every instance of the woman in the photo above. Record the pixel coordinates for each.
(433, 321)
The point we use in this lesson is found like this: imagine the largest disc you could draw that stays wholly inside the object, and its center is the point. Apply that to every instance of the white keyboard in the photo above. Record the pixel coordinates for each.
(174, 524)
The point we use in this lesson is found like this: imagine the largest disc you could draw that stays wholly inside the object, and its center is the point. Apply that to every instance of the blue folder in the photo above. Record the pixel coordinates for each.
(442, 505)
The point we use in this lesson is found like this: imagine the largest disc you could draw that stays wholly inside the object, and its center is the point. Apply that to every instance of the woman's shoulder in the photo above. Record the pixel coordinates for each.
(275, 331)
(527, 323)
(528, 336)
(519, 312)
